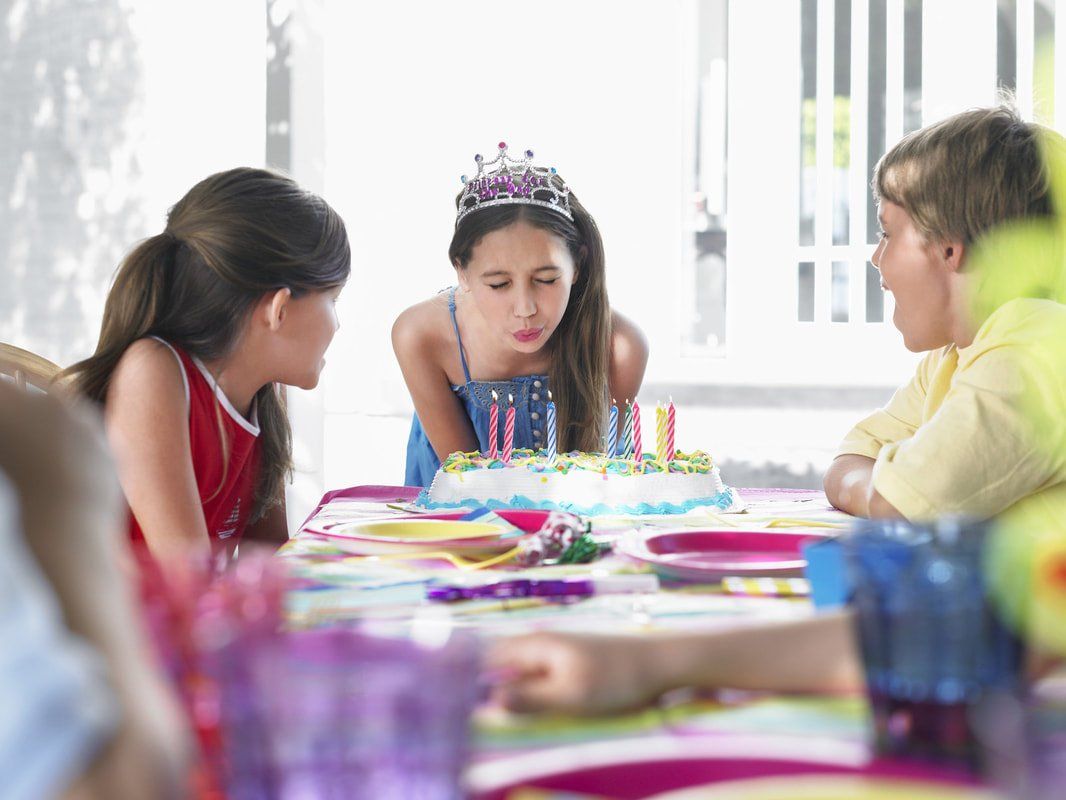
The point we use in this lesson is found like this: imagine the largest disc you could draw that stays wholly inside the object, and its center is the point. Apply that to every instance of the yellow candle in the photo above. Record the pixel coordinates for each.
(660, 435)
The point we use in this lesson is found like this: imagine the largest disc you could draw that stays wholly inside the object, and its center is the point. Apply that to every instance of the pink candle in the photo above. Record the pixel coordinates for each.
(494, 425)
(638, 449)
(508, 431)
(670, 449)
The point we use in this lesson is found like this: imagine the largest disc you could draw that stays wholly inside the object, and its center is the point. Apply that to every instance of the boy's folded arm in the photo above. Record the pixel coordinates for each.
(978, 455)
(898, 419)
(847, 483)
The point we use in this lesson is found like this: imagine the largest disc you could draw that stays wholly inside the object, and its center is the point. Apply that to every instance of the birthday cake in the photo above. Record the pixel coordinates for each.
(582, 483)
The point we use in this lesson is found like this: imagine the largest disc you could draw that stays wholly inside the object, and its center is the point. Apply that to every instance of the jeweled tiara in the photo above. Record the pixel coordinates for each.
(508, 181)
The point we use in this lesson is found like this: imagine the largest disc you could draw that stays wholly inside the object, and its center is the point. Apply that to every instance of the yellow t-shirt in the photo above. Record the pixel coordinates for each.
(978, 428)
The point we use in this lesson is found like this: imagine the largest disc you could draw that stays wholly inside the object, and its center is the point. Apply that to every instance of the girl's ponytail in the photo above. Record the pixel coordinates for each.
(133, 309)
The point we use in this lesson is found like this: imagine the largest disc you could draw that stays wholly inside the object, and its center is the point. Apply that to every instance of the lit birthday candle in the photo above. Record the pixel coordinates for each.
(612, 431)
(551, 430)
(670, 449)
(638, 447)
(494, 425)
(660, 434)
(508, 431)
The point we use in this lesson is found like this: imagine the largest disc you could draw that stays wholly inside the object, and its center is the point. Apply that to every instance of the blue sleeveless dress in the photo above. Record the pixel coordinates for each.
(530, 394)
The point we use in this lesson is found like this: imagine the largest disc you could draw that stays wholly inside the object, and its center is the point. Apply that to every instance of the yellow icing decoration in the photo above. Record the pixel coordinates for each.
(696, 462)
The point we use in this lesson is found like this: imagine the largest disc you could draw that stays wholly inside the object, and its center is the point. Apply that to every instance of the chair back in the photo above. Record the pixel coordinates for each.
(26, 369)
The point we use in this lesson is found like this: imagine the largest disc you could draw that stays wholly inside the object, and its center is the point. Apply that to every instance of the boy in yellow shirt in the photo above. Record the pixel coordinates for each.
(961, 437)
(979, 429)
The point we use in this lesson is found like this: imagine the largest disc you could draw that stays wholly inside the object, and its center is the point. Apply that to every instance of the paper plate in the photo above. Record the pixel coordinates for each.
(827, 787)
(716, 768)
(701, 555)
(429, 532)
(417, 534)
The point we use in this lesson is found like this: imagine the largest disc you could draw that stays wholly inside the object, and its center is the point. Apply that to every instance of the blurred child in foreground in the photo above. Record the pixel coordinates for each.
(83, 711)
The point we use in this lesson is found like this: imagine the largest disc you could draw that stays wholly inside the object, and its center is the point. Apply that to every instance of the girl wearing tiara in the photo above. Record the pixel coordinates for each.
(530, 314)
(202, 326)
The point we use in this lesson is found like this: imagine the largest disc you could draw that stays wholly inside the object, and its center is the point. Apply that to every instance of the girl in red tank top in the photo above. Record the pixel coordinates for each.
(204, 325)
(225, 476)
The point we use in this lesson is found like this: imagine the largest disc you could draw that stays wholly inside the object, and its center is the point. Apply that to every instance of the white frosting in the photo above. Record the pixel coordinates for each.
(579, 490)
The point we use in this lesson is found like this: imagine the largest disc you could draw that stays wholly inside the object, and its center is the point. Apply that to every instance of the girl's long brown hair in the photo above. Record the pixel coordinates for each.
(581, 346)
(235, 236)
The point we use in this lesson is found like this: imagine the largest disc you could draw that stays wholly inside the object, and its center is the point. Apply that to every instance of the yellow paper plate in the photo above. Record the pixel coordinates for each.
(419, 531)
(827, 787)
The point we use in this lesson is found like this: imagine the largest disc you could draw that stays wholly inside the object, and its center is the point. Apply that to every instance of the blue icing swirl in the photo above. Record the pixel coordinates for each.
(721, 501)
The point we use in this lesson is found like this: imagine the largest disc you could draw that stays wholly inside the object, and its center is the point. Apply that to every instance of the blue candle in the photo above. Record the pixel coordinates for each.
(627, 432)
(612, 431)
(551, 429)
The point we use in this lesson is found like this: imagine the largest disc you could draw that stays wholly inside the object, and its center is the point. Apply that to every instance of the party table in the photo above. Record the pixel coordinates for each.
(685, 739)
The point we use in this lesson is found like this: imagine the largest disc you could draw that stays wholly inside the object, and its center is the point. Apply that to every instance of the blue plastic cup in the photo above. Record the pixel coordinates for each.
(934, 650)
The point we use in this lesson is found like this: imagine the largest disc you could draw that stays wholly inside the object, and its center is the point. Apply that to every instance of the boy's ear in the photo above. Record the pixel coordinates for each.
(954, 255)
(275, 307)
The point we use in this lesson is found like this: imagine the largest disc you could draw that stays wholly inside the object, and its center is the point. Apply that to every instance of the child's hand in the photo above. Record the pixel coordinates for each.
(573, 674)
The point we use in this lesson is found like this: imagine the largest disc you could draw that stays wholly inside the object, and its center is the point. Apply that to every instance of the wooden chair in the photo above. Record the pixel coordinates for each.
(26, 369)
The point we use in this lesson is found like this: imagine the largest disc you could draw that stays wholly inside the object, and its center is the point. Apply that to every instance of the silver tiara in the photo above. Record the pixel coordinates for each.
(508, 181)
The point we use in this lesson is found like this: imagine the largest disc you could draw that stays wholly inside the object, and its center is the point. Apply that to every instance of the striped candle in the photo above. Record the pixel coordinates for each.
(661, 434)
(671, 451)
(638, 447)
(627, 432)
(508, 431)
(494, 426)
(551, 430)
(612, 431)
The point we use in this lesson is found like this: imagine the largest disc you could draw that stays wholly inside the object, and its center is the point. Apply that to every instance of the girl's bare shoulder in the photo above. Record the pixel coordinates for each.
(628, 342)
(423, 330)
(148, 391)
(147, 364)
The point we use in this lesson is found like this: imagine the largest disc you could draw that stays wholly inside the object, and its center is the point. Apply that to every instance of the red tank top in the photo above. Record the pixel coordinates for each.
(226, 489)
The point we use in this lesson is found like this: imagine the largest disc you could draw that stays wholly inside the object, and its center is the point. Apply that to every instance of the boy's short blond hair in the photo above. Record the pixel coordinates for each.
(962, 176)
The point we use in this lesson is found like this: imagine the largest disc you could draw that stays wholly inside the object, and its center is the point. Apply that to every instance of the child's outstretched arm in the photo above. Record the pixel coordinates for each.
(598, 674)
(415, 342)
(147, 420)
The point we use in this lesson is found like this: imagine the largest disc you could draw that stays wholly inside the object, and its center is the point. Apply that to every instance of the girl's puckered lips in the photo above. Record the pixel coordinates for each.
(528, 334)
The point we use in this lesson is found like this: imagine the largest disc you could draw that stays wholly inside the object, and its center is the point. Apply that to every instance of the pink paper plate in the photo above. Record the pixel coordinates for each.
(697, 555)
(645, 768)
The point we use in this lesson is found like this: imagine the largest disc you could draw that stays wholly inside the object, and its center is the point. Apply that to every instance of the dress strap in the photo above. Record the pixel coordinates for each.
(181, 366)
(458, 338)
